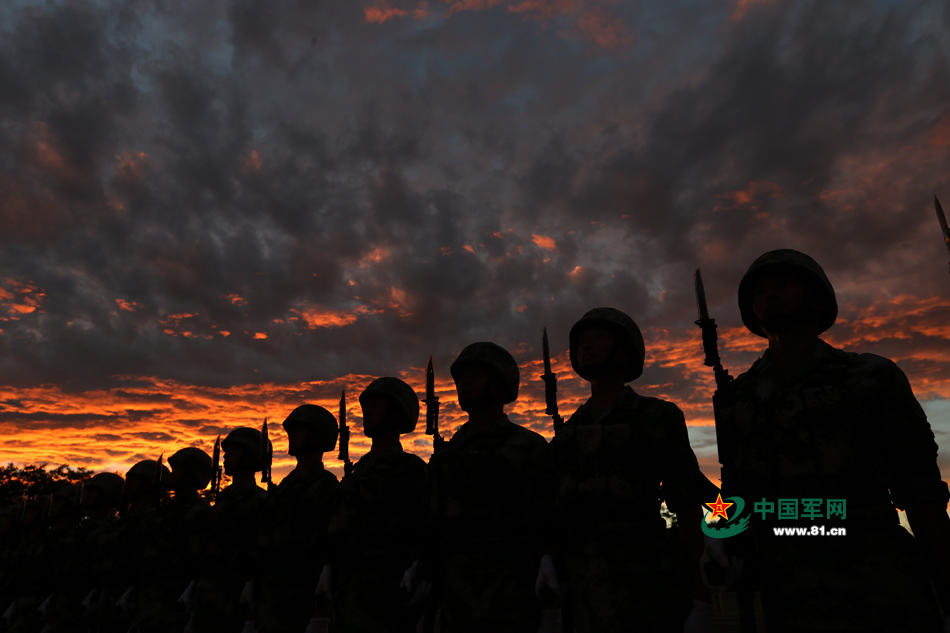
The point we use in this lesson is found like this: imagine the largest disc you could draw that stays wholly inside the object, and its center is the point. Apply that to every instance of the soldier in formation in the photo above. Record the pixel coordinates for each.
(620, 568)
(836, 435)
(293, 536)
(376, 532)
(490, 500)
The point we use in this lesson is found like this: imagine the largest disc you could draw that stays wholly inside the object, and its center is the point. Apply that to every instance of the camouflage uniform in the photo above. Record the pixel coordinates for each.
(846, 427)
(377, 536)
(293, 542)
(623, 573)
(490, 501)
(231, 558)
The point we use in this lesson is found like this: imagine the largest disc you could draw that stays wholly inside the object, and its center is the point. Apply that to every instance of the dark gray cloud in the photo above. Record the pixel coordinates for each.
(176, 172)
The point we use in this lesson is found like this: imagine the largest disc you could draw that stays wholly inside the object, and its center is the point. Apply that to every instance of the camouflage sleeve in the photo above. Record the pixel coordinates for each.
(908, 447)
(682, 479)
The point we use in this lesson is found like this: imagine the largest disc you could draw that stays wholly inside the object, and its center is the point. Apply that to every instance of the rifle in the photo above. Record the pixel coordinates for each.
(724, 394)
(216, 469)
(267, 451)
(550, 384)
(942, 219)
(344, 455)
(432, 410)
(432, 428)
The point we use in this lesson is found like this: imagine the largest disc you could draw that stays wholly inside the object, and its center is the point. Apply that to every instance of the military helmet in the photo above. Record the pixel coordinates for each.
(406, 400)
(788, 259)
(147, 470)
(109, 485)
(191, 467)
(497, 359)
(320, 422)
(251, 440)
(627, 331)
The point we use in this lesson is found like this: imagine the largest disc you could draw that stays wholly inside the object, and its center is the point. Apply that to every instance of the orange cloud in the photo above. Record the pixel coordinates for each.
(754, 191)
(252, 162)
(317, 318)
(18, 299)
(128, 306)
(382, 12)
(590, 19)
(260, 336)
(543, 241)
(940, 134)
(236, 299)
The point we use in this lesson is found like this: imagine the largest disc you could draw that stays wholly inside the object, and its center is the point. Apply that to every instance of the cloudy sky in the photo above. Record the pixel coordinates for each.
(213, 212)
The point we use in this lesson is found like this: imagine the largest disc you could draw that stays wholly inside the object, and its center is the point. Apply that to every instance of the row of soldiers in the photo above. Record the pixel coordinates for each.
(503, 531)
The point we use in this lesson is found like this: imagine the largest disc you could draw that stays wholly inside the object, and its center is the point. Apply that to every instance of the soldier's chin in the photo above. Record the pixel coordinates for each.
(782, 323)
(470, 404)
(597, 370)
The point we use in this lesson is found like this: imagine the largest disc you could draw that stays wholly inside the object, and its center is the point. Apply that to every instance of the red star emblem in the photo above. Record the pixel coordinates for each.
(719, 508)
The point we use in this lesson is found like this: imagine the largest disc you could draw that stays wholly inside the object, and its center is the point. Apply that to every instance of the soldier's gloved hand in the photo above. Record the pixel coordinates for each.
(715, 555)
(417, 588)
(89, 602)
(318, 625)
(187, 597)
(699, 619)
(325, 583)
(546, 582)
(125, 600)
(45, 605)
(247, 594)
(410, 578)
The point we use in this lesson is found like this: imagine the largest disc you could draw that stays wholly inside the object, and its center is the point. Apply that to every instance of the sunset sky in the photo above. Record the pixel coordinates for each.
(214, 212)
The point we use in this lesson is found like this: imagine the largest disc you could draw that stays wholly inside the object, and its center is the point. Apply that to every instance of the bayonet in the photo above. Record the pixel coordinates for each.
(159, 477)
(432, 409)
(550, 384)
(216, 472)
(344, 455)
(267, 451)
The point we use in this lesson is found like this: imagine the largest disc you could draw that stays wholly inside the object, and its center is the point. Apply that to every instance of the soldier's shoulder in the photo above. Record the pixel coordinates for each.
(658, 407)
(412, 461)
(524, 435)
(752, 373)
(863, 367)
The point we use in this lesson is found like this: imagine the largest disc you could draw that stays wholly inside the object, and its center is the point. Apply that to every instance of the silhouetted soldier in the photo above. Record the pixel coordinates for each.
(622, 571)
(56, 565)
(231, 557)
(377, 531)
(140, 561)
(186, 520)
(294, 533)
(812, 422)
(99, 527)
(490, 502)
